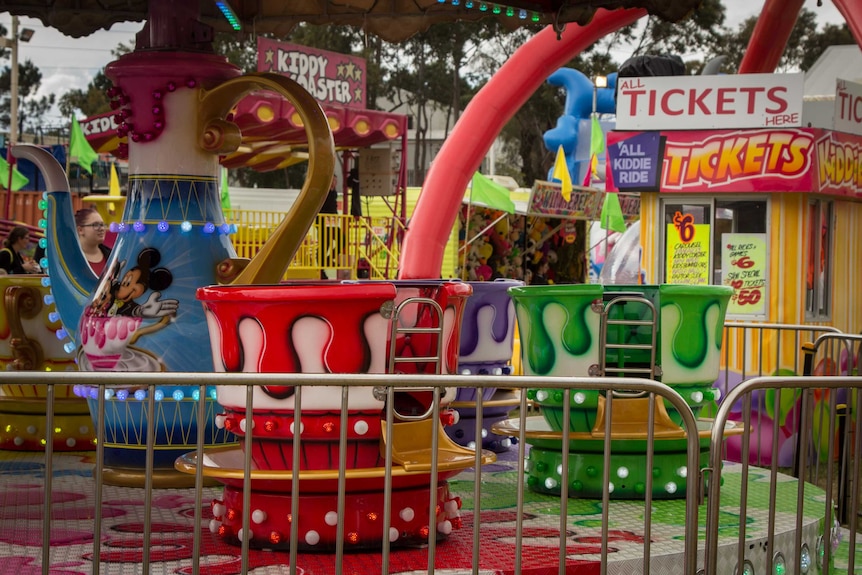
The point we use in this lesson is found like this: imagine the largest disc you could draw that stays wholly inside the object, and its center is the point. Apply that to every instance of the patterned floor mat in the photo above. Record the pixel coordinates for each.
(71, 539)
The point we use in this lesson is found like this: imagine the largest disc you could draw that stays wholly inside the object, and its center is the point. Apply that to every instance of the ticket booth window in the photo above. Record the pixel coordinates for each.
(818, 288)
(720, 241)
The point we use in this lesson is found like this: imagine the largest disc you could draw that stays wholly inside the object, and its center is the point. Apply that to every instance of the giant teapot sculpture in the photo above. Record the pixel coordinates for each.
(141, 314)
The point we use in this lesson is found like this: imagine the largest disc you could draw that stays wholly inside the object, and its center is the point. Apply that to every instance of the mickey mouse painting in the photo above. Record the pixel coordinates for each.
(136, 281)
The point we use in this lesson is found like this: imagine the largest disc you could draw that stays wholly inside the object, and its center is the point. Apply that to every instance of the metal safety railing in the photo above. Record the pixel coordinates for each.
(569, 388)
(801, 534)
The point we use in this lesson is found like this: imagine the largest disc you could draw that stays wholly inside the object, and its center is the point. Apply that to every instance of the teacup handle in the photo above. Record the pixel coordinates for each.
(219, 136)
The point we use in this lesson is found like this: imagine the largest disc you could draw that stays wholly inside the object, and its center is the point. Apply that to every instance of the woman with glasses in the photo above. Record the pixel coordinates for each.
(12, 258)
(91, 235)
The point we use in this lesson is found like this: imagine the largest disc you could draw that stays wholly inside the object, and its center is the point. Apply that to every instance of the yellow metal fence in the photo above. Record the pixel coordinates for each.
(349, 247)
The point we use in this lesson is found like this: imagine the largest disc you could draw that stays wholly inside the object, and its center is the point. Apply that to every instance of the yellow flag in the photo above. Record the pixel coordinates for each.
(113, 187)
(561, 172)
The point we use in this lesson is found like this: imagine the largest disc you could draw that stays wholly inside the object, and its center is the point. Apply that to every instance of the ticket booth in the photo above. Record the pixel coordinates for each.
(748, 195)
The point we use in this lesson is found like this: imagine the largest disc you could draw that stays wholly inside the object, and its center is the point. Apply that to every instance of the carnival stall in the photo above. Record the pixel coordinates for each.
(753, 197)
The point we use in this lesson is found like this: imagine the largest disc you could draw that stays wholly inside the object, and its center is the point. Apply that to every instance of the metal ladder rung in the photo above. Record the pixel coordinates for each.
(628, 346)
(429, 330)
(629, 322)
(428, 359)
(628, 370)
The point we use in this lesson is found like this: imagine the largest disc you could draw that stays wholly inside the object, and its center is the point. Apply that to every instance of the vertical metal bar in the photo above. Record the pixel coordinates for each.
(387, 479)
(148, 479)
(99, 422)
(606, 474)
(856, 461)
(743, 491)
(199, 478)
(773, 481)
(435, 448)
(477, 483)
(248, 441)
(295, 474)
(522, 454)
(649, 479)
(342, 479)
(564, 479)
(49, 475)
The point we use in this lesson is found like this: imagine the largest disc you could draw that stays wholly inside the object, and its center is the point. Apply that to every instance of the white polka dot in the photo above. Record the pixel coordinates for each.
(312, 537)
(682, 471)
(31, 429)
(506, 443)
(241, 535)
(83, 430)
(697, 396)
(331, 518)
(71, 442)
(670, 487)
(19, 441)
(623, 472)
(451, 507)
(218, 509)
(301, 427)
(213, 526)
(611, 487)
(580, 398)
(550, 482)
(456, 416)
(541, 395)
(444, 527)
(219, 421)
(360, 427)
(484, 433)
(393, 535)
(242, 424)
(258, 516)
(407, 514)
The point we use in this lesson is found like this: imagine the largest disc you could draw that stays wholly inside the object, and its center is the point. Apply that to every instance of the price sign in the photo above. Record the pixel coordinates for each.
(744, 267)
(687, 251)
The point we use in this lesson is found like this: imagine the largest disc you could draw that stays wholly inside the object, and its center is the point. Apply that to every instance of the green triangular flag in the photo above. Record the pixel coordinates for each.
(80, 149)
(19, 180)
(486, 192)
(612, 213)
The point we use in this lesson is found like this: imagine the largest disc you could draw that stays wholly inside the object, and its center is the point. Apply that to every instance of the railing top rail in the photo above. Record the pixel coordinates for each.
(782, 326)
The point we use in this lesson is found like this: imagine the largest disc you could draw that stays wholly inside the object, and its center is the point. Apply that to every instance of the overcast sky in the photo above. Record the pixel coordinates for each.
(70, 63)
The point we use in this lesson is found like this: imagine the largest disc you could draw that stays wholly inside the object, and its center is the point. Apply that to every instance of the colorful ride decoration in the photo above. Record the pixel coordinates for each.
(329, 327)
(487, 340)
(28, 341)
(670, 333)
(171, 106)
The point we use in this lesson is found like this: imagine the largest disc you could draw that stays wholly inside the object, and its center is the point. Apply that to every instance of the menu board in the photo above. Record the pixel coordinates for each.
(744, 267)
(687, 251)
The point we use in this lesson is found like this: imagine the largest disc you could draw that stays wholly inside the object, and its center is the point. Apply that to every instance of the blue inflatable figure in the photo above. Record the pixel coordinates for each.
(573, 127)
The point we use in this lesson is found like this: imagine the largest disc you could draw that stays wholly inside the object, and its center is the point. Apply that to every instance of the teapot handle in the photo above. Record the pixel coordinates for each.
(220, 136)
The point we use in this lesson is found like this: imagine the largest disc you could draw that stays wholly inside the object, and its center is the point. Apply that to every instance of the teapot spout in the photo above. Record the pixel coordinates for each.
(71, 278)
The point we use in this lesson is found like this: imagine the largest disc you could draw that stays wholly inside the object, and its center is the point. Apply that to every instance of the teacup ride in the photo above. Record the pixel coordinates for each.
(28, 341)
(173, 104)
(331, 327)
(487, 340)
(668, 333)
